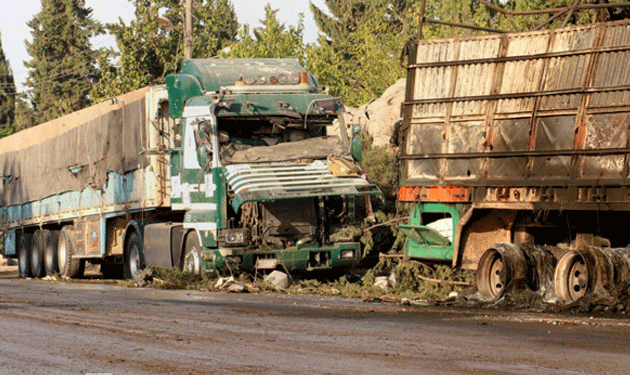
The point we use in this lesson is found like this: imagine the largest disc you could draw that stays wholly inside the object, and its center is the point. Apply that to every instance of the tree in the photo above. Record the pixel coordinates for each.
(359, 45)
(7, 95)
(273, 39)
(24, 113)
(62, 69)
(149, 52)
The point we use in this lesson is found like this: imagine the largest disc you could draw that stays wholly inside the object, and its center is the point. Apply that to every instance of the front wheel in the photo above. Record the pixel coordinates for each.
(133, 257)
(69, 266)
(191, 261)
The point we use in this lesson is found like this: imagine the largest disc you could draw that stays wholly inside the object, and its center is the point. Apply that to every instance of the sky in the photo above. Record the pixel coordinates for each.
(14, 14)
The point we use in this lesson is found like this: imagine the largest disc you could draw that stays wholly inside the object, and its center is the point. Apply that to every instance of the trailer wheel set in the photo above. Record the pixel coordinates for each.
(592, 271)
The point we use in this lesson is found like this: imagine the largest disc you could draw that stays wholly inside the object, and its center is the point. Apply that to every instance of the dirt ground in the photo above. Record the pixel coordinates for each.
(95, 327)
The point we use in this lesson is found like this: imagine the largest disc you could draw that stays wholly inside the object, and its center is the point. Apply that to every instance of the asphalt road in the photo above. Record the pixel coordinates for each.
(96, 328)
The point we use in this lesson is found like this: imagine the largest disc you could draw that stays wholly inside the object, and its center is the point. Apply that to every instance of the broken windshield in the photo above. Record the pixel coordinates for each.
(306, 149)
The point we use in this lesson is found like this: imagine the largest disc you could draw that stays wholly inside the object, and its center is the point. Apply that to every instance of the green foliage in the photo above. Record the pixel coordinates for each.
(360, 42)
(419, 281)
(7, 95)
(380, 165)
(149, 52)
(357, 49)
(273, 39)
(62, 69)
(24, 113)
(173, 278)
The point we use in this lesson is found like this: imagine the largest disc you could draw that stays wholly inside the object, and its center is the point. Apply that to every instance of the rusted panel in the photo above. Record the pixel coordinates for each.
(543, 108)
(486, 229)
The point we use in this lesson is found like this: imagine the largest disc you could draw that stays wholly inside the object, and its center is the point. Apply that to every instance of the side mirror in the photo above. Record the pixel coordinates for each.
(355, 144)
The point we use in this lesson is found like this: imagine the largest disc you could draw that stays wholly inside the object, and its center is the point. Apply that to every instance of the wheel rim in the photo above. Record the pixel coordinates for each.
(578, 279)
(497, 279)
(61, 254)
(571, 277)
(134, 260)
(191, 262)
(492, 274)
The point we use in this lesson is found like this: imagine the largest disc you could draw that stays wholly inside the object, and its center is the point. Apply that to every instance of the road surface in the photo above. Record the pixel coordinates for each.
(100, 328)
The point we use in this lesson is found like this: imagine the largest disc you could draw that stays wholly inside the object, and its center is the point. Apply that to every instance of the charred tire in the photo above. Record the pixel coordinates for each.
(133, 257)
(24, 255)
(51, 266)
(37, 253)
(578, 272)
(69, 266)
(191, 259)
(498, 267)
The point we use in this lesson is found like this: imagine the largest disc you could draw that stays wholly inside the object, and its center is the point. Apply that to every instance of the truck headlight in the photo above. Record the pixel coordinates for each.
(235, 237)
(347, 254)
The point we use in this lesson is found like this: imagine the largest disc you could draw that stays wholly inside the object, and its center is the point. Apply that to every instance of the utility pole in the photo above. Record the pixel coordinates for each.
(188, 38)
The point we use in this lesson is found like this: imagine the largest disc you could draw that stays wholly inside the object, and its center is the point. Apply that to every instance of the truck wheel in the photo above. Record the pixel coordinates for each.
(69, 267)
(51, 266)
(133, 257)
(37, 253)
(191, 261)
(499, 268)
(24, 256)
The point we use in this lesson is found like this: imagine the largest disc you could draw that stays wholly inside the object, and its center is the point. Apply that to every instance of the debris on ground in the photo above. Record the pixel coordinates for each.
(278, 280)
(229, 284)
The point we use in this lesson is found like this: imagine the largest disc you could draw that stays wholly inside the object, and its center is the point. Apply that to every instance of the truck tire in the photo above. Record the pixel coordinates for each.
(133, 257)
(51, 266)
(69, 266)
(24, 256)
(191, 259)
(37, 253)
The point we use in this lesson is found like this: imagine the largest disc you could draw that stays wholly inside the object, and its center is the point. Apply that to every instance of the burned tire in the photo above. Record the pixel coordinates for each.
(37, 253)
(24, 255)
(69, 266)
(580, 272)
(134, 262)
(51, 266)
(191, 259)
(499, 266)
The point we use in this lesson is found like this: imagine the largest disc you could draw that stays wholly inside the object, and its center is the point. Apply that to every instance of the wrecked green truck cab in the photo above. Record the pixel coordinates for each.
(265, 171)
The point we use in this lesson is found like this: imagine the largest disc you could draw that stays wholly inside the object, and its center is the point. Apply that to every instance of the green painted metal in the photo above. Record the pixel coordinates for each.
(423, 242)
(292, 258)
(180, 88)
(216, 73)
(216, 87)
(267, 105)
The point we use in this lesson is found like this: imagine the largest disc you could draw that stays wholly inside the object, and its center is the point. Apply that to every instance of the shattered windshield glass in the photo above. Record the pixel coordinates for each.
(310, 148)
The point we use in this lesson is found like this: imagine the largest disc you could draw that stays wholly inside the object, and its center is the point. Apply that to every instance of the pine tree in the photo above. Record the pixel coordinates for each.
(149, 52)
(7, 95)
(63, 63)
(273, 39)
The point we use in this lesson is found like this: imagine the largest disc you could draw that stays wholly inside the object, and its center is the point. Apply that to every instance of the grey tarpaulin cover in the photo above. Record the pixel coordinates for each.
(74, 151)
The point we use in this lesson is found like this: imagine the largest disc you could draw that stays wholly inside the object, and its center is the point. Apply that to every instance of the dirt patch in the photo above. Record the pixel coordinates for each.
(8, 268)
